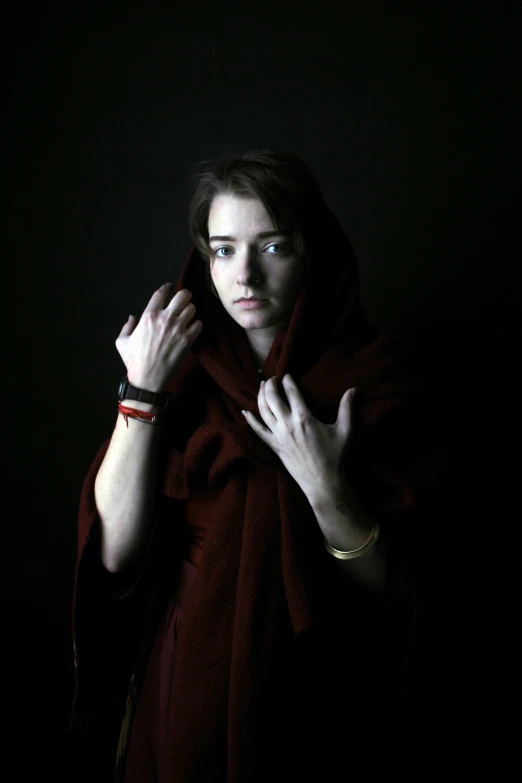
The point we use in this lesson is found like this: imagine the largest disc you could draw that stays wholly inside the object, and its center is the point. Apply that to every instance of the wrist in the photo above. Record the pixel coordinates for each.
(343, 521)
(332, 490)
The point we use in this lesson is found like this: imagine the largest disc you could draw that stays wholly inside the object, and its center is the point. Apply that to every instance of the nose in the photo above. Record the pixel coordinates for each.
(249, 269)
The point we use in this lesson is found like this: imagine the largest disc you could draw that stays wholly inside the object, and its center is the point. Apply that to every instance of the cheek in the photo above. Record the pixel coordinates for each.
(293, 280)
(216, 270)
(213, 274)
(219, 281)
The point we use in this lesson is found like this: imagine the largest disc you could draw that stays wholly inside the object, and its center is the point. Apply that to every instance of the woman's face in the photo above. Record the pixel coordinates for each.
(244, 264)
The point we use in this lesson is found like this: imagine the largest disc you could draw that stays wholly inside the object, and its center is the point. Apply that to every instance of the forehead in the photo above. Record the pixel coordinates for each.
(230, 213)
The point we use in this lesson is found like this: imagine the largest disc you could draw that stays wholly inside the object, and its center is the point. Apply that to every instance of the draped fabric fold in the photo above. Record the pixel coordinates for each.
(264, 579)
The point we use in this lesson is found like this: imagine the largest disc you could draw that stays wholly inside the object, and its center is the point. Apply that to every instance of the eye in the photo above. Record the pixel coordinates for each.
(216, 251)
(284, 252)
(280, 244)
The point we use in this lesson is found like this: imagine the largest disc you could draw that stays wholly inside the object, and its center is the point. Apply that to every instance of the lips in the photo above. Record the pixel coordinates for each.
(251, 304)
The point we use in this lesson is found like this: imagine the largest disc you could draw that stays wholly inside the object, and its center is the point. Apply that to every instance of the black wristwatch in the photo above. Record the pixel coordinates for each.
(128, 392)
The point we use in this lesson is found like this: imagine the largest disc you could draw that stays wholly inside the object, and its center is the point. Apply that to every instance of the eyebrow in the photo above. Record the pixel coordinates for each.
(262, 235)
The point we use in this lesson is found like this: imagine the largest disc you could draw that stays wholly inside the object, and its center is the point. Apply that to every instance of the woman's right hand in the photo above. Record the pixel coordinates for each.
(153, 349)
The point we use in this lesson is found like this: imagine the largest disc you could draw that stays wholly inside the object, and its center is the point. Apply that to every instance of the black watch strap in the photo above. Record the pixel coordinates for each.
(128, 392)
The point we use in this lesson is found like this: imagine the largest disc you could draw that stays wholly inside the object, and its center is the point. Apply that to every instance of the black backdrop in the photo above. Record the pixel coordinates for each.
(406, 113)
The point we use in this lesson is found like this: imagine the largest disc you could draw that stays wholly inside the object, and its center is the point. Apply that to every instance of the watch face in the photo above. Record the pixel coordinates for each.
(122, 389)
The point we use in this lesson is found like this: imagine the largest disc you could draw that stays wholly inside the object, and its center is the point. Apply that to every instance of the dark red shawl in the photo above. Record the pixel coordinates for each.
(264, 578)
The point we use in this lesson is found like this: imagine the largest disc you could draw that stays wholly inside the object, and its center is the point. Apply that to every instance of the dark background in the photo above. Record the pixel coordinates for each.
(406, 113)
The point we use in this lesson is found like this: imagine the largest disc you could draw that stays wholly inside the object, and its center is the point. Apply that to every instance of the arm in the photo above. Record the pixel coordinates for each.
(125, 490)
(346, 526)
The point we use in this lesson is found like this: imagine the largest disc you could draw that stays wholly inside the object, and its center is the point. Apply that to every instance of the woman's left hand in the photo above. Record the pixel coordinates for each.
(311, 451)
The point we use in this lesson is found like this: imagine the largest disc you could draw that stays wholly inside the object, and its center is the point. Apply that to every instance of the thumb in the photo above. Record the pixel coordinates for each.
(128, 326)
(344, 417)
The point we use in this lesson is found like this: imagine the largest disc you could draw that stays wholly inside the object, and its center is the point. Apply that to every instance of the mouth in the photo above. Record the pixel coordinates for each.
(249, 304)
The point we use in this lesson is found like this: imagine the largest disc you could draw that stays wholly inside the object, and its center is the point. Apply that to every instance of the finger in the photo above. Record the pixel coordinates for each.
(293, 393)
(159, 298)
(128, 326)
(346, 408)
(180, 301)
(265, 410)
(253, 422)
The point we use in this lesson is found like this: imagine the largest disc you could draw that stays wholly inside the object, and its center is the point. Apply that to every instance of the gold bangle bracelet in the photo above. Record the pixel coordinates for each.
(354, 552)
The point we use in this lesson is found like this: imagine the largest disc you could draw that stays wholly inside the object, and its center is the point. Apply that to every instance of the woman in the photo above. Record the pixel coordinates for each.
(260, 532)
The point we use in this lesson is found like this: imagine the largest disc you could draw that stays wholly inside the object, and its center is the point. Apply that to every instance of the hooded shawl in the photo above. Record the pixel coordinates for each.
(265, 582)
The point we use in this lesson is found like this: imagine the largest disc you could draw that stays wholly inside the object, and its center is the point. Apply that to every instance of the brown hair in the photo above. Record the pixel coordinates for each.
(280, 180)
